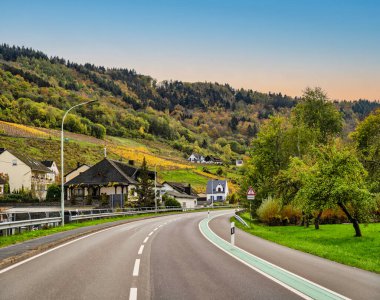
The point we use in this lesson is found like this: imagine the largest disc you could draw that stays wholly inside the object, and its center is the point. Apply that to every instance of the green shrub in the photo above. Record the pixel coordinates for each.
(53, 193)
(269, 212)
(170, 201)
(290, 215)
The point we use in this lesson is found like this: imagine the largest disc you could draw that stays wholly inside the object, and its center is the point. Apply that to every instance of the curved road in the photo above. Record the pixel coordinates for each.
(169, 258)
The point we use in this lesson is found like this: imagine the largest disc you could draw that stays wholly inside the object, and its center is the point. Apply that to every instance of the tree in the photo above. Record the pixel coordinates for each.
(316, 112)
(145, 190)
(336, 179)
(367, 141)
(234, 123)
(53, 192)
(270, 153)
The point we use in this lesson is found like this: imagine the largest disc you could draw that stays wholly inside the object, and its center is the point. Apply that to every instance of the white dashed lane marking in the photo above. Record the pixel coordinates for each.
(133, 294)
(136, 268)
(141, 250)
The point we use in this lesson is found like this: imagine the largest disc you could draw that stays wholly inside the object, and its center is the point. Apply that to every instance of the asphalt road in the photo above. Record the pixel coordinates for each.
(162, 258)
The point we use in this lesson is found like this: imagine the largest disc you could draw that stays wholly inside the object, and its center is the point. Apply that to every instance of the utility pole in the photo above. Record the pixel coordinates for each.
(62, 161)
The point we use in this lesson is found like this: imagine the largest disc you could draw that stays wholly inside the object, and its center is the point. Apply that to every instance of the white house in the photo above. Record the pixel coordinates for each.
(182, 192)
(51, 165)
(196, 158)
(25, 173)
(239, 162)
(77, 171)
(217, 190)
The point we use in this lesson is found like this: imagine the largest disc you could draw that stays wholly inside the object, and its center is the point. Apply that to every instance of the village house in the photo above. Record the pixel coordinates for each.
(217, 190)
(78, 170)
(213, 160)
(196, 158)
(51, 165)
(25, 173)
(114, 180)
(182, 192)
(239, 162)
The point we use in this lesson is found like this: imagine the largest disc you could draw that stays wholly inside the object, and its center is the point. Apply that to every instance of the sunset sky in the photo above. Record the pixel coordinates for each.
(268, 45)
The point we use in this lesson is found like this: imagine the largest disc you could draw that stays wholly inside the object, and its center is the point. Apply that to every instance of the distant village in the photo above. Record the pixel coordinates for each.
(109, 182)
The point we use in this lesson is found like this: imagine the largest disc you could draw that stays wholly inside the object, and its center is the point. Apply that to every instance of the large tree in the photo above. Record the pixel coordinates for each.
(319, 114)
(337, 179)
(367, 140)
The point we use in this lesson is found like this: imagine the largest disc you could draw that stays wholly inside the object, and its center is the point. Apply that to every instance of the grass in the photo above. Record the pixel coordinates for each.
(334, 242)
(198, 182)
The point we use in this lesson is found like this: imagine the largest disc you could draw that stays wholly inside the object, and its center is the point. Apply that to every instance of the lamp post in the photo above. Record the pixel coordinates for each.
(155, 188)
(62, 161)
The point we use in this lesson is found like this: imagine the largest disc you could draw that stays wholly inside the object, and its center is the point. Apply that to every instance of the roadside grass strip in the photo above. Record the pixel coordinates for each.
(300, 286)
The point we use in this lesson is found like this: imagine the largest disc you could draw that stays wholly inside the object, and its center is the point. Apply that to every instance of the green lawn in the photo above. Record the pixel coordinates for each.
(197, 181)
(334, 242)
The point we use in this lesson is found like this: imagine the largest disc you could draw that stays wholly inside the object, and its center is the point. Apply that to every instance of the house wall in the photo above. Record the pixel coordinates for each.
(39, 184)
(186, 202)
(75, 173)
(1, 189)
(20, 175)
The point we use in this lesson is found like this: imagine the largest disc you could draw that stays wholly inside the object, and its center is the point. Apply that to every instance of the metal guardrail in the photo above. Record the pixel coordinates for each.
(10, 222)
(237, 217)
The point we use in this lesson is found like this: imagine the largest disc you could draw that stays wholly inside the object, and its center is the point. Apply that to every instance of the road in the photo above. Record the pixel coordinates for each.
(164, 258)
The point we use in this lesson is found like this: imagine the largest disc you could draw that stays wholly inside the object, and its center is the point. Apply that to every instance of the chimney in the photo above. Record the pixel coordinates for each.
(131, 162)
(105, 151)
(188, 189)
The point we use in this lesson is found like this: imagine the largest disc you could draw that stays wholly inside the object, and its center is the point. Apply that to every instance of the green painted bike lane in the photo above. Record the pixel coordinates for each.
(301, 286)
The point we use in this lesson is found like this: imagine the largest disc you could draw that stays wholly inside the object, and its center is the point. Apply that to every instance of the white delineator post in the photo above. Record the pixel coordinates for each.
(233, 233)
(208, 213)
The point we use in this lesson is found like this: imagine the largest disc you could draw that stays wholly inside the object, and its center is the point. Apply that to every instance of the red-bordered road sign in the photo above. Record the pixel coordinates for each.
(251, 193)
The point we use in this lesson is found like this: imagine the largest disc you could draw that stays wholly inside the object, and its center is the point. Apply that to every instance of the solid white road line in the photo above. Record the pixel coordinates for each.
(136, 268)
(133, 294)
(53, 249)
(141, 250)
(146, 239)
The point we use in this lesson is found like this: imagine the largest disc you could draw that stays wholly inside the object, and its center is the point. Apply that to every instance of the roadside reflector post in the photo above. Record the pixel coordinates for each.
(233, 233)
(208, 214)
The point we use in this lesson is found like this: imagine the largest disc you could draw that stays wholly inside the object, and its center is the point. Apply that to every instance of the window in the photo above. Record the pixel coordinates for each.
(14, 162)
(1, 189)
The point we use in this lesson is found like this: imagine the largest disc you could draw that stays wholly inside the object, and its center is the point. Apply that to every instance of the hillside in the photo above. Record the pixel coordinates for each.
(209, 118)
(44, 144)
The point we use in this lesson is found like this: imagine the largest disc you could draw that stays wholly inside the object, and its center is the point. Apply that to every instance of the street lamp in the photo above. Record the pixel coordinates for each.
(62, 162)
(155, 188)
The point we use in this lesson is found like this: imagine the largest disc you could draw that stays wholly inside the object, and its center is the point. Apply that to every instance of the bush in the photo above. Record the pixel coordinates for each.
(53, 193)
(21, 197)
(269, 212)
(170, 201)
(290, 215)
(232, 198)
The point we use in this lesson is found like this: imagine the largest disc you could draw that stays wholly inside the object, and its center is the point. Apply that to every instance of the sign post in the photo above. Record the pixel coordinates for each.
(233, 233)
(250, 197)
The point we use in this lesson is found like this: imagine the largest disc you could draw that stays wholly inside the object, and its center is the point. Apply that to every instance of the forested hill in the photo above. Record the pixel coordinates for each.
(35, 89)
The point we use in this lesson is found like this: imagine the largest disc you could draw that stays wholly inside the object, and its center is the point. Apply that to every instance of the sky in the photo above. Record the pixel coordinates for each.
(267, 45)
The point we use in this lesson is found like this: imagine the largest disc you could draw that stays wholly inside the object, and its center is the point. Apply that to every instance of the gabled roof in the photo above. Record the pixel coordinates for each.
(177, 194)
(212, 184)
(182, 188)
(105, 172)
(48, 163)
(35, 165)
(196, 155)
(78, 167)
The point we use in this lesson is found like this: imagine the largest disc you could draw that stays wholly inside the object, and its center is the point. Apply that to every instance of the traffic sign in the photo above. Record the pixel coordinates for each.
(251, 193)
